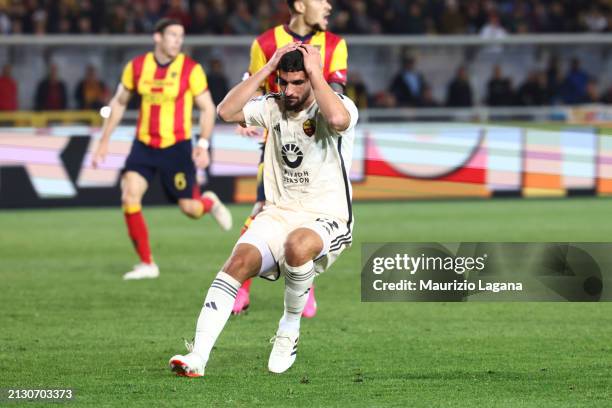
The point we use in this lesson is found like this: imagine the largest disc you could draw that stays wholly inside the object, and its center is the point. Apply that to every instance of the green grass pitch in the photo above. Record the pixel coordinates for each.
(68, 320)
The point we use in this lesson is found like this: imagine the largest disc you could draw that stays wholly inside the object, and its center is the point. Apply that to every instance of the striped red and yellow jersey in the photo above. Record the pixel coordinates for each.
(332, 47)
(167, 93)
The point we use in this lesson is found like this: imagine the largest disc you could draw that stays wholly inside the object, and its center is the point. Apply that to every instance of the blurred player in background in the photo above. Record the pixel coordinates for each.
(307, 221)
(169, 82)
(309, 20)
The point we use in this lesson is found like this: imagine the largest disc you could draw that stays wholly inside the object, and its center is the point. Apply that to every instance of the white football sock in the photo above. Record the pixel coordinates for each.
(298, 280)
(215, 312)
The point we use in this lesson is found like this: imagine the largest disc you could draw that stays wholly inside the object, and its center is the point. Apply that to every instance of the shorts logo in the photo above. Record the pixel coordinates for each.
(309, 127)
(329, 225)
(292, 155)
(180, 181)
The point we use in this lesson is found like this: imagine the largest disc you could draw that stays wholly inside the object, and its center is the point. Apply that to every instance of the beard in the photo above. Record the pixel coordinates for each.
(294, 104)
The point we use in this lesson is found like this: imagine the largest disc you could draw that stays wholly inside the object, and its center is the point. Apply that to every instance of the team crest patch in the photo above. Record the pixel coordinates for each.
(309, 127)
(173, 74)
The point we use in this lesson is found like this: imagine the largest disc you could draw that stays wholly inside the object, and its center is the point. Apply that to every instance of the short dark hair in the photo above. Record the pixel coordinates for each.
(291, 3)
(292, 61)
(164, 23)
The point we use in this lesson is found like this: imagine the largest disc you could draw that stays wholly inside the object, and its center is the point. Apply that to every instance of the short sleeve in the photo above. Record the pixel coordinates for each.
(198, 82)
(258, 58)
(255, 112)
(353, 113)
(339, 64)
(127, 77)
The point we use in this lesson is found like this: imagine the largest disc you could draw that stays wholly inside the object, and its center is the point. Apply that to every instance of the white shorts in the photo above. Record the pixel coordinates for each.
(270, 228)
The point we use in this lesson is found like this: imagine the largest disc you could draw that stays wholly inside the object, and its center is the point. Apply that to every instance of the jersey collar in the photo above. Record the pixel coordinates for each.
(159, 64)
(298, 37)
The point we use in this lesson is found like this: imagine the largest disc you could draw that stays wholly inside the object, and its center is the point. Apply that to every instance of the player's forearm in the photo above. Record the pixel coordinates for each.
(231, 106)
(331, 107)
(111, 123)
(207, 123)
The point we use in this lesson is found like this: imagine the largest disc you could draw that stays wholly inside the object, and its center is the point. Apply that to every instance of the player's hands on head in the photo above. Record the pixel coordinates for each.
(272, 64)
(312, 59)
(200, 157)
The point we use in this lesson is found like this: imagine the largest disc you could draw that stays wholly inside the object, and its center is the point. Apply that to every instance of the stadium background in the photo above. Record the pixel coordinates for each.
(544, 64)
(455, 129)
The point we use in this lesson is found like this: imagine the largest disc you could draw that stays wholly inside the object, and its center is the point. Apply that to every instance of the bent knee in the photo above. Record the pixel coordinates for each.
(130, 195)
(132, 189)
(244, 263)
(293, 249)
(301, 247)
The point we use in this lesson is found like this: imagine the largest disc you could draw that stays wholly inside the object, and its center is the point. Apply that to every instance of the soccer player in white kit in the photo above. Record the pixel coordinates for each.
(307, 220)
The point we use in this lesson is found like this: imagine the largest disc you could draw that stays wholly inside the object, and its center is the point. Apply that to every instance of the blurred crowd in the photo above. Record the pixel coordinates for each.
(250, 17)
(90, 92)
(408, 87)
(555, 85)
(51, 92)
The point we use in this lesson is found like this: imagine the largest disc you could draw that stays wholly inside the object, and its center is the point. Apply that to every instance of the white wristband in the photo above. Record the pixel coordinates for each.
(203, 143)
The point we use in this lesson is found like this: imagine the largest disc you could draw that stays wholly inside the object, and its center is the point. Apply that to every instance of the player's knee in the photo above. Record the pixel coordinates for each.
(243, 264)
(130, 198)
(299, 249)
(238, 268)
(131, 191)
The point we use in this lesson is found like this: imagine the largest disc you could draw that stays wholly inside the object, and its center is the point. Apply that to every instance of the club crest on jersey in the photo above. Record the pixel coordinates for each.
(292, 155)
(309, 127)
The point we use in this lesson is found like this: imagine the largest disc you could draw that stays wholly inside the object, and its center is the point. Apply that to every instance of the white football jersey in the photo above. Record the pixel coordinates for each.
(306, 162)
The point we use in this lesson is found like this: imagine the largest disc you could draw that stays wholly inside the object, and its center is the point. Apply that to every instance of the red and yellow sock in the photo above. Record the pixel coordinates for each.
(137, 230)
(207, 205)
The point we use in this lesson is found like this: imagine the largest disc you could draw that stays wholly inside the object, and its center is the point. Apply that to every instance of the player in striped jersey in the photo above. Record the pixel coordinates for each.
(169, 82)
(309, 20)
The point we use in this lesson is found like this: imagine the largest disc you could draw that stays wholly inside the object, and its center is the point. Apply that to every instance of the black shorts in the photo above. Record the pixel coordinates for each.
(174, 163)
